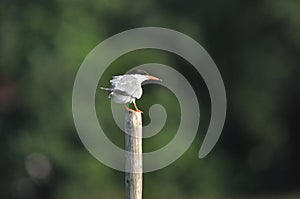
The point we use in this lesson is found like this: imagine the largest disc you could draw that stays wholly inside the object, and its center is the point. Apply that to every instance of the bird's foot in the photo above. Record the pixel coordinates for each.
(128, 109)
(131, 110)
(138, 110)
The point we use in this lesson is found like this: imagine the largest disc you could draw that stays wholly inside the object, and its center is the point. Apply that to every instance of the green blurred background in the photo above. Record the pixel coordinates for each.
(255, 44)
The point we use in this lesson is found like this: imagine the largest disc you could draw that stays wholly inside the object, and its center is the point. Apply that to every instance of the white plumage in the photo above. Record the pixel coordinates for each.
(128, 87)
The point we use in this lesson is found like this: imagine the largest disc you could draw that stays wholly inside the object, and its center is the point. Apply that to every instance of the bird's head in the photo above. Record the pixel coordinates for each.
(142, 75)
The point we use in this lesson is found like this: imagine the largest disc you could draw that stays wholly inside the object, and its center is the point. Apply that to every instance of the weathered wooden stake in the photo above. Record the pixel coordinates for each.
(134, 159)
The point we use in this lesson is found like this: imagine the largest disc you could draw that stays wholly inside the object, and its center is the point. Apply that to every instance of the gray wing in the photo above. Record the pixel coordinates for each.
(120, 97)
(126, 85)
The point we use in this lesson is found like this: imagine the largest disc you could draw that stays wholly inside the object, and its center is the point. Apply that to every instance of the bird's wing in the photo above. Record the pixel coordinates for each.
(120, 92)
(115, 80)
(127, 85)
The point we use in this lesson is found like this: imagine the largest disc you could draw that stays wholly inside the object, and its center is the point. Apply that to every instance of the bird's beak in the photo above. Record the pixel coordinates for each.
(153, 78)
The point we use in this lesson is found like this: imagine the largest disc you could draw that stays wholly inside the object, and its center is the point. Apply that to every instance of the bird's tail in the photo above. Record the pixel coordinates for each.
(106, 89)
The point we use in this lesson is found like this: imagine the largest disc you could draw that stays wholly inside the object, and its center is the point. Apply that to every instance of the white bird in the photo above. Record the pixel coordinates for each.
(128, 87)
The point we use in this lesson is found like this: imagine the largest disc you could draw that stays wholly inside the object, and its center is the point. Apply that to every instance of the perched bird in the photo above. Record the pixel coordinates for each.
(128, 87)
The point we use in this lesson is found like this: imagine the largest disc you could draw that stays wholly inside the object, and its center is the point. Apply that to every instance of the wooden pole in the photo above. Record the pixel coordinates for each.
(134, 159)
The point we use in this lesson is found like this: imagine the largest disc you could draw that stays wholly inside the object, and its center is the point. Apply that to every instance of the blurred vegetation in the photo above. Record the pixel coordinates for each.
(255, 44)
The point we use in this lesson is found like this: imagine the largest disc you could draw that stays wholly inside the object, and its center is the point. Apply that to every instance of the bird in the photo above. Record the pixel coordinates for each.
(128, 87)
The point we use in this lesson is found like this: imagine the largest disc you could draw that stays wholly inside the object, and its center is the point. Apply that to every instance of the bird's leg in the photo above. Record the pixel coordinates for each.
(127, 108)
(136, 108)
